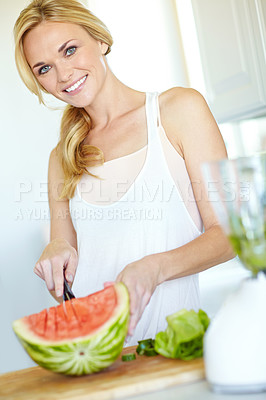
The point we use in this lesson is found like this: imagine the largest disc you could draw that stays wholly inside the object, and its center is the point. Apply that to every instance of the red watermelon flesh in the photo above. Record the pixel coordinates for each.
(39, 322)
(75, 317)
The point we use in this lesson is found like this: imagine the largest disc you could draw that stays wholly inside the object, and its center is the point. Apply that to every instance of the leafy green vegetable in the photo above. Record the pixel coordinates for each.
(204, 319)
(146, 347)
(183, 337)
(129, 357)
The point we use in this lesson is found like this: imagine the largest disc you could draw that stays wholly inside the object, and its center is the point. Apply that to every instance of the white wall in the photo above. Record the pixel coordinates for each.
(146, 55)
(28, 133)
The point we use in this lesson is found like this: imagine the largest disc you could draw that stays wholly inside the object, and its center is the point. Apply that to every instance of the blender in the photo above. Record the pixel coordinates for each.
(235, 342)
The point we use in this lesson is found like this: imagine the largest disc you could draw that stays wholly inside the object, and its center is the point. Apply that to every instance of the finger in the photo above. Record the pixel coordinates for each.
(108, 284)
(133, 313)
(38, 270)
(46, 273)
(71, 267)
(134, 319)
(137, 310)
(58, 277)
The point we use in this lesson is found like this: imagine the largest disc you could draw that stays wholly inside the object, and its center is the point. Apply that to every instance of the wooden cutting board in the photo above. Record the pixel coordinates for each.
(121, 379)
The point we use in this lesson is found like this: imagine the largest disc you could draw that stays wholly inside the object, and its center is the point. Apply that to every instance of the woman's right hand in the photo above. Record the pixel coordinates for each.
(57, 256)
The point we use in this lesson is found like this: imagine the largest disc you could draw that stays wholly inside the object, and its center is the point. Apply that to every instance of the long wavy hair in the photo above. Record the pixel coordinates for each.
(74, 155)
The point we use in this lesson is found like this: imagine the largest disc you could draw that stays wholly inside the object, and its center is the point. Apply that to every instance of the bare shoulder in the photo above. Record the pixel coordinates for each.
(187, 119)
(179, 93)
(179, 103)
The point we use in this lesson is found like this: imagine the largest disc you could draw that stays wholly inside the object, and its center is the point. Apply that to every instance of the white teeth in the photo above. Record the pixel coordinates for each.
(76, 85)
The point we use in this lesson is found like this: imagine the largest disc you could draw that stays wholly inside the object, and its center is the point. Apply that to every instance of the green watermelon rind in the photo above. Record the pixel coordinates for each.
(82, 355)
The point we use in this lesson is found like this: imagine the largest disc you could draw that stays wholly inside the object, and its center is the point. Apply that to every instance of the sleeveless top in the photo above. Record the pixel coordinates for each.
(149, 218)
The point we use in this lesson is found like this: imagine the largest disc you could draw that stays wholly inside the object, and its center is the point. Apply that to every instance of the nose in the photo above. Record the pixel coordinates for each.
(64, 72)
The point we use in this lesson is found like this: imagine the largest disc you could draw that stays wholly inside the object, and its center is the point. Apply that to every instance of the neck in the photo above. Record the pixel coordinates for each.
(114, 99)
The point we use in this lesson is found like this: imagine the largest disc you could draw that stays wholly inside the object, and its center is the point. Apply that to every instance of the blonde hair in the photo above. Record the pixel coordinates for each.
(74, 156)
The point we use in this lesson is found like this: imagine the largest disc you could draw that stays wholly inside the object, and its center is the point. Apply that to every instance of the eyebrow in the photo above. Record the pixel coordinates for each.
(61, 48)
(38, 64)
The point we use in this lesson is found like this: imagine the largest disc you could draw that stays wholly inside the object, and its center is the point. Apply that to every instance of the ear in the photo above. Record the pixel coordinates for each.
(104, 47)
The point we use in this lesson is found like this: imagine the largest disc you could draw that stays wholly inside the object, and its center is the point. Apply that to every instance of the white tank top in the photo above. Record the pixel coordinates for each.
(150, 217)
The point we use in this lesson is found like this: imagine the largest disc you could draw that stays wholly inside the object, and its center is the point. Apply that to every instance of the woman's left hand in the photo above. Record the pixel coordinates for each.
(141, 278)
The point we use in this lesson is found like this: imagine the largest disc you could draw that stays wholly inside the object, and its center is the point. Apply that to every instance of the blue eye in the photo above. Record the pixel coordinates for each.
(70, 50)
(44, 69)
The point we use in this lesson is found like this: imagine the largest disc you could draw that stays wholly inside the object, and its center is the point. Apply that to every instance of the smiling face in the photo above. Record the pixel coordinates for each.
(67, 61)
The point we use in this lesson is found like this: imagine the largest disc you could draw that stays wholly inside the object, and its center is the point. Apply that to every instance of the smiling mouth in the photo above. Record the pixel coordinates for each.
(76, 85)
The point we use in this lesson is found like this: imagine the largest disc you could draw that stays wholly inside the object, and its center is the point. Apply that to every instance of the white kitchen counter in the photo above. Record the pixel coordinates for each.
(195, 391)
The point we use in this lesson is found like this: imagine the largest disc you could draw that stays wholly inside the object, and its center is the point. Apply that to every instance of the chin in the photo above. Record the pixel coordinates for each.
(80, 103)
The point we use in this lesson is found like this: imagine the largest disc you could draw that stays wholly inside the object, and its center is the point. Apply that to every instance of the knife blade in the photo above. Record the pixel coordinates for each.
(67, 294)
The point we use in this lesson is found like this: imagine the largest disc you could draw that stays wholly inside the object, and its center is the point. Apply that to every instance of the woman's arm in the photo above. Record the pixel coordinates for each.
(61, 252)
(61, 223)
(194, 133)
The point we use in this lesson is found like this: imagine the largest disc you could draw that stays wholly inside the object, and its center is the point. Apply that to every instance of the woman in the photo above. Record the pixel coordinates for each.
(125, 191)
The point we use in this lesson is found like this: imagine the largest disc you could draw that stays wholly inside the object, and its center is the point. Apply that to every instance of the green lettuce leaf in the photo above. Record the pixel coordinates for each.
(183, 337)
(204, 319)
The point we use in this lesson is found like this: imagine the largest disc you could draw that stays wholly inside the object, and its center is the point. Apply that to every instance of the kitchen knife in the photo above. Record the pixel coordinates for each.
(67, 294)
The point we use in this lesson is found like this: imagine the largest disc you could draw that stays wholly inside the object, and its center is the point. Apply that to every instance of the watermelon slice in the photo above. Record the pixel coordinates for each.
(80, 336)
